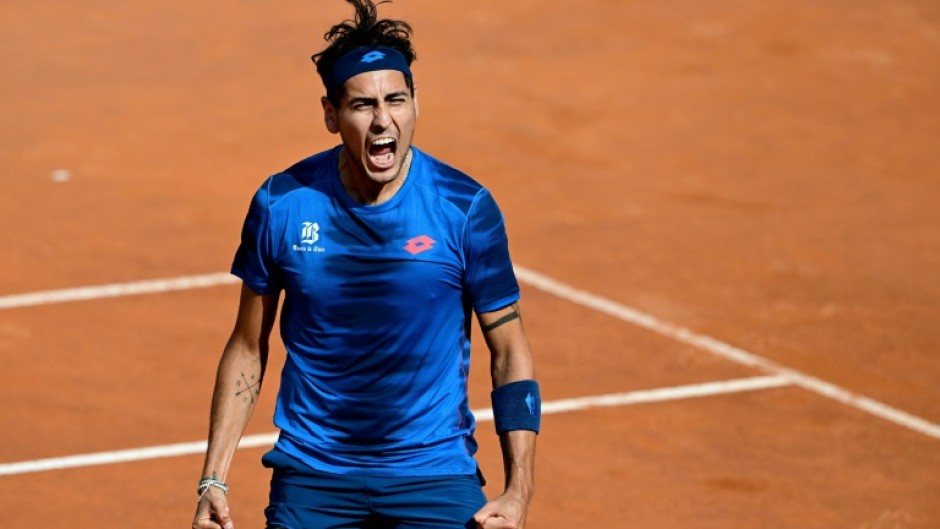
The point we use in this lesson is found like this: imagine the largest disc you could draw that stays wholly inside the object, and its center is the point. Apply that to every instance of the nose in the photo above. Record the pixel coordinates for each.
(382, 118)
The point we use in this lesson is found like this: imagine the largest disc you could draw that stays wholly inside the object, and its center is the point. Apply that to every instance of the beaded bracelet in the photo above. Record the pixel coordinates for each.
(206, 483)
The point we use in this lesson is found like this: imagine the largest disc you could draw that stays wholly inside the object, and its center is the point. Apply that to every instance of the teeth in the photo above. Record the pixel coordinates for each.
(383, 141)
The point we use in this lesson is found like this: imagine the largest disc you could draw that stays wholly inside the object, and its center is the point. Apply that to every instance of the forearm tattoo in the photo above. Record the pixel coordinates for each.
(248, 388)
(514, 314)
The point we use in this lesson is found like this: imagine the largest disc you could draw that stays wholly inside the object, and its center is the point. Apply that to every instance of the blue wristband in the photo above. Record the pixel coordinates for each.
(517, 406)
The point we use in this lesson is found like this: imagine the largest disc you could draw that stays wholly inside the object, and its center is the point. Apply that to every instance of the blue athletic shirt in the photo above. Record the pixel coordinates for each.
(376, 313)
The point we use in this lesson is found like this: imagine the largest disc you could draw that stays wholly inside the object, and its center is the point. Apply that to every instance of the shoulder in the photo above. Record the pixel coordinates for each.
(447, 183)
(310, 173)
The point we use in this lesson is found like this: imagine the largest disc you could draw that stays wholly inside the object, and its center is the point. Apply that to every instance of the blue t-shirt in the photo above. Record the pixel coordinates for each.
(376, 314)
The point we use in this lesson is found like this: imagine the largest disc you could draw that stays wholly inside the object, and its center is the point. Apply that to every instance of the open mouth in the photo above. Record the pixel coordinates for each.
(382, 152)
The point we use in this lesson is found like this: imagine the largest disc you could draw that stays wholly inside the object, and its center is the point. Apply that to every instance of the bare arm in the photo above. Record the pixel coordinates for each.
(237, 387)
(511, 361)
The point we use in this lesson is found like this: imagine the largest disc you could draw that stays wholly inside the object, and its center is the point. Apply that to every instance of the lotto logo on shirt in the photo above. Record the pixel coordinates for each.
(419, 244)
(309, 235)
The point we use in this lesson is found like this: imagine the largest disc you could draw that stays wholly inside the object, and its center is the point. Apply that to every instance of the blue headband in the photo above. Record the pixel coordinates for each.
(363, 60)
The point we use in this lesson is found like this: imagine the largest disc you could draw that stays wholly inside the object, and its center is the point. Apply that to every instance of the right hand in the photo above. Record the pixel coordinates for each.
(212, 511)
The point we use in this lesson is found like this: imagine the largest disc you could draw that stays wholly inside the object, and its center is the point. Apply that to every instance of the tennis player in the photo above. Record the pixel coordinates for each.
(382, 254)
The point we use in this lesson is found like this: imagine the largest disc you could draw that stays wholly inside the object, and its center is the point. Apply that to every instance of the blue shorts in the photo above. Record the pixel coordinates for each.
(303, 498)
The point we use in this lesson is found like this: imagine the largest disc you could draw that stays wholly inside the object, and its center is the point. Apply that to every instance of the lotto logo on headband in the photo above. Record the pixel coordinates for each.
(372, 56)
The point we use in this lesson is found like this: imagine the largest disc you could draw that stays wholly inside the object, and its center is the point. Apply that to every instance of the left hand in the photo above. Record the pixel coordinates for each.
(504, 512)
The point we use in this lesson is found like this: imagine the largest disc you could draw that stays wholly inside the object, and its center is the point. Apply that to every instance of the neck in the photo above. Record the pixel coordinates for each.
(365, 190)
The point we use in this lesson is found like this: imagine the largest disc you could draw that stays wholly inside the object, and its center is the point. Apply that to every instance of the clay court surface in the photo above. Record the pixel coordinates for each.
(726, 217)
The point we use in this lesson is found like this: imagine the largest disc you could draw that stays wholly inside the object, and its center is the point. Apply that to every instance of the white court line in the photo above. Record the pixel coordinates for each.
(114, 290)
(706, 389)
(482, 415)
(730, 352)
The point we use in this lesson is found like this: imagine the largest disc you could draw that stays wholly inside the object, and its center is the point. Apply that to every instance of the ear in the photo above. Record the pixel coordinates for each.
(416, 103)
(329, 115)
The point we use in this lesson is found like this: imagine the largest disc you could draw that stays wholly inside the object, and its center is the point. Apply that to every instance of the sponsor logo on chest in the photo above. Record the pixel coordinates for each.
(309, 235)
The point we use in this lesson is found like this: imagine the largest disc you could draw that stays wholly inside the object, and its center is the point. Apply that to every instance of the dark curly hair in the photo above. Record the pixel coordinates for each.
(364, 30)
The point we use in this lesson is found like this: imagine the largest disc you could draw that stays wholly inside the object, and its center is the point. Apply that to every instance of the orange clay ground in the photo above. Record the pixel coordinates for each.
(761, 173)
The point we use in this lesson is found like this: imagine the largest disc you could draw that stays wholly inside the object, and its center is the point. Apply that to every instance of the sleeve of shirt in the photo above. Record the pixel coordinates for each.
(254, 261)
(489, 280)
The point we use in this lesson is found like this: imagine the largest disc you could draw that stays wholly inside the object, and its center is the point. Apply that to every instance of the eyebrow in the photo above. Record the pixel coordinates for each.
(373, 101)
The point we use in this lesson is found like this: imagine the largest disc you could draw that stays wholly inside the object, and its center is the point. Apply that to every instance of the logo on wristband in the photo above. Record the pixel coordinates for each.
(530, 403)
